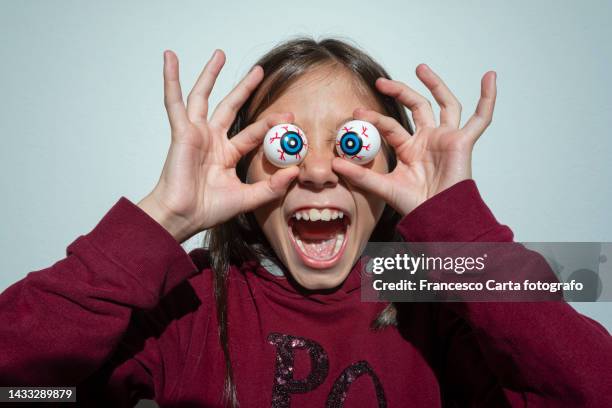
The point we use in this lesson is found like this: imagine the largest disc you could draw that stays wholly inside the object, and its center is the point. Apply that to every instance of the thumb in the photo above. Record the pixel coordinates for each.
(363, 177)
(257, 194)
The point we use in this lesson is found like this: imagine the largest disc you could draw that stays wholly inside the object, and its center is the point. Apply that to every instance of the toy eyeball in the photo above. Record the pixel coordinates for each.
(358, 141)
(285, 145)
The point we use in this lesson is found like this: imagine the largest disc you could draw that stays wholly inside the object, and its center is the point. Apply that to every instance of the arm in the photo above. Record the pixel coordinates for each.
(541, 353)
(544, 353)
(60, 324)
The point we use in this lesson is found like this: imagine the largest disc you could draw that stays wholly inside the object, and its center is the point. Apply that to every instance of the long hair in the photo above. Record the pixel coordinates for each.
(240, 239)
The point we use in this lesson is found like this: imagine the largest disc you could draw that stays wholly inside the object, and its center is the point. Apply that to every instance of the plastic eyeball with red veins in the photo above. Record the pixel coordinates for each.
(285, 145)
(358, 141)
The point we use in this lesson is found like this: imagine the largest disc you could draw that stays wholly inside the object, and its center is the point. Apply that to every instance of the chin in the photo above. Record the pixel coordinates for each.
(320, 279)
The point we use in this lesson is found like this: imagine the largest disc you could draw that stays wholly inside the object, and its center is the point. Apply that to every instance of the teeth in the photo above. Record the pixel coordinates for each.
(314, 214)
(339, 241)
(300, 244)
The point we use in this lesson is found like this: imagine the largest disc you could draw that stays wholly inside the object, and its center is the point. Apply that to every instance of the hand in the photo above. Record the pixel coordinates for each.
(198, 187)
(435, 157)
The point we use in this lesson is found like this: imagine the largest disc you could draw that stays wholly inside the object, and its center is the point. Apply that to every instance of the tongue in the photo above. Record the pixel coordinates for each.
(318, 237)
(319, 249)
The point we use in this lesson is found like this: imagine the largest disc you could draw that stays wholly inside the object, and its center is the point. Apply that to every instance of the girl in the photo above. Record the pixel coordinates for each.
(270, 313)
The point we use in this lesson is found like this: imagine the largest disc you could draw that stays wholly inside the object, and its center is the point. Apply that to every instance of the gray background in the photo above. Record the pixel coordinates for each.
(82, 119)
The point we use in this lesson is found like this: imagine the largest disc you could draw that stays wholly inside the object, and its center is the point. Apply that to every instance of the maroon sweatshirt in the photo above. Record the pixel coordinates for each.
(128, 314)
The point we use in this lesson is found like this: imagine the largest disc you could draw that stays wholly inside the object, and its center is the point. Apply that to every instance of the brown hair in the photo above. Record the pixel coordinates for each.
(234, 241)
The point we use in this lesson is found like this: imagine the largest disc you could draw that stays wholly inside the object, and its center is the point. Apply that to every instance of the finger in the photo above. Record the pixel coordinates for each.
(257, 194)
(173, 98)
(450, 108)
(419, 105)
(363, 177)
(253, 135)
(393, 132)
(225, 112)
(483, 116)
(197, 101)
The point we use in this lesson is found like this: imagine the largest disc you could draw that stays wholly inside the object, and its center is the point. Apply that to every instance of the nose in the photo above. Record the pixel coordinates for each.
(316, 169)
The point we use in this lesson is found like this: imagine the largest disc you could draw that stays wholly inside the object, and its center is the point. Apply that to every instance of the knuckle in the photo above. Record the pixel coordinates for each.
(404, 93)
(437, 86)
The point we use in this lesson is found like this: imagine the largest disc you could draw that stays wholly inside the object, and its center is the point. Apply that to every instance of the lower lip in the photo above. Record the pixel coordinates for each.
(320, 263)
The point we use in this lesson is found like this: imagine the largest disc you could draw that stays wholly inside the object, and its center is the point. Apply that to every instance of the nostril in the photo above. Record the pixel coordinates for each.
(318, 185)
(316, 171)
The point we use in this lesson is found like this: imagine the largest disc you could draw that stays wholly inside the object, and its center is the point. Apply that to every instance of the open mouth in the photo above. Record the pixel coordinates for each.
(319, 235)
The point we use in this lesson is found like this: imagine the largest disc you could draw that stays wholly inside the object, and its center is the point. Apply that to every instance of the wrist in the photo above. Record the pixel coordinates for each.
(456, 214)
(179, 227)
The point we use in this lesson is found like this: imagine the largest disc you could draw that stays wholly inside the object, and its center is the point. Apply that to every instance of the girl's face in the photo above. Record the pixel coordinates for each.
(319, 254)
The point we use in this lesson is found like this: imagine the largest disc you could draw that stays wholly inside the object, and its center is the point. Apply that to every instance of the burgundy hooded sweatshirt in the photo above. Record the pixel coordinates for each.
(128, 314)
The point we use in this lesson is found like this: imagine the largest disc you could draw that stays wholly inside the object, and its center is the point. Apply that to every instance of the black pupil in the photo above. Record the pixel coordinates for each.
(350, 143)
(291, 143)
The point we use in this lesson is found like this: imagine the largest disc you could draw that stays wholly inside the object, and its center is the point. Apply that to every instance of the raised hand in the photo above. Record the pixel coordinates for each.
(198, 187)
(435, 157)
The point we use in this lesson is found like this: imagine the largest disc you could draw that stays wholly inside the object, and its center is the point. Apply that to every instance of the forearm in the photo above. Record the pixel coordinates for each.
(70, 316)
(545, 350)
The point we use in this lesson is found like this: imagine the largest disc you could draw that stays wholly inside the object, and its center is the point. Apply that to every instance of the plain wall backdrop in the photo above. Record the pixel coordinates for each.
(83, 122)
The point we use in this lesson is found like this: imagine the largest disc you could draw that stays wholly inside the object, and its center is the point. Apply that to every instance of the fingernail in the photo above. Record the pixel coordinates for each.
(213, 54)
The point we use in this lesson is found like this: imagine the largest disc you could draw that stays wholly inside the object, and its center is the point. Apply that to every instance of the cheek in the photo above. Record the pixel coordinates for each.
(381, 162)
(374, 204)
(259, 170)
(369, 210)
(265, 218)
(255, 168)
(370, 206)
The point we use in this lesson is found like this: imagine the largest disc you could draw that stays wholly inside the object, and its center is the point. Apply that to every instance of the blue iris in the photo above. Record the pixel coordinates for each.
(350, 143)
(291, 143)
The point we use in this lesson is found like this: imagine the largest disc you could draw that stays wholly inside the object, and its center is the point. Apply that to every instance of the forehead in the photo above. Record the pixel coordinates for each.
(324, 94)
